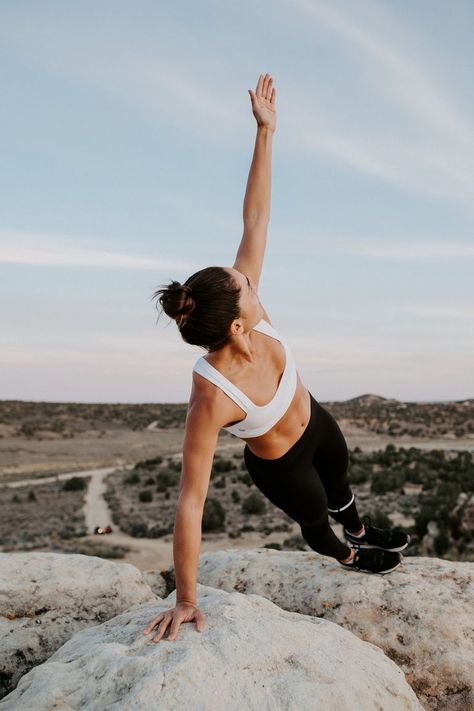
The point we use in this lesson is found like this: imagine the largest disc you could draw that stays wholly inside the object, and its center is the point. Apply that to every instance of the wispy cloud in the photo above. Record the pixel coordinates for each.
(442, 162)
(451, 312)
(156, 78)
(46, 250)
(177, 86)
(381, 248)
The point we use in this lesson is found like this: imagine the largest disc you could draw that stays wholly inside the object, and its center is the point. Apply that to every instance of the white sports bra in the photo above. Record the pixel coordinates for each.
(259, 418)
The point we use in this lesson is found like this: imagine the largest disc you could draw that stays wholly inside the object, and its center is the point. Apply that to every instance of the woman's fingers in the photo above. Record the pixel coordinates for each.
(267, 86)
(163, 627)
(151, 624)
(264, 89)
(200, 620)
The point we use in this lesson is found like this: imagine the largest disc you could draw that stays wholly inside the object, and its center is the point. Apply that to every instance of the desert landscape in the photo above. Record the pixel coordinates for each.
(68, 468)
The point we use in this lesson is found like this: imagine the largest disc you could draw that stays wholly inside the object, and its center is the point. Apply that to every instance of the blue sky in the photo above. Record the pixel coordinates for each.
(126, 140)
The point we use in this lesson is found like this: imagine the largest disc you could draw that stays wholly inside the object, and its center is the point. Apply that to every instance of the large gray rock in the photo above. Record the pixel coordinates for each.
(46, 597)
(421, 615)
(251, 656)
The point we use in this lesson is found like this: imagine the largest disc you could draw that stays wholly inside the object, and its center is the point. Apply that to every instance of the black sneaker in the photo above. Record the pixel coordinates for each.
(388, 539)
(374, 561)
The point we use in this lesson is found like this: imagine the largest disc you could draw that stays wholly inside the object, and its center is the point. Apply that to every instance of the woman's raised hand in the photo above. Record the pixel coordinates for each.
(183, 612)
(263, 102)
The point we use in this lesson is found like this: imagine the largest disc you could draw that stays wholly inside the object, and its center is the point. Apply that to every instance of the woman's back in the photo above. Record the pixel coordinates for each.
(270, 428)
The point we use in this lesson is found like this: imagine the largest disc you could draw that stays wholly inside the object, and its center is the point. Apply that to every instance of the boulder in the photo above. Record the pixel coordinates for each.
(46, 597)
(251, 656)
(421, 615)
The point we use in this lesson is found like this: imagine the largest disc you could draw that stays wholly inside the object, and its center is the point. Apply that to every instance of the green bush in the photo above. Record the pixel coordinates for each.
(223, 465)
(441, 542)
(166, 478)
(149, 463)
(276, 546)
(387, 480)
(295, 543)
(132, 478)
(138, 529)
(213, 517)
(146, 495)
(253, 504)
(75, 483)
(380, 519)
(235, 496)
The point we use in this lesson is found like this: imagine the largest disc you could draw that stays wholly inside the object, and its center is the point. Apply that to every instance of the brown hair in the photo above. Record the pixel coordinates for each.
(203, 307)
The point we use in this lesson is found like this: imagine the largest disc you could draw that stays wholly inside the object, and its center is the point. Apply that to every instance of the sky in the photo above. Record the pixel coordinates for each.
(126, 140)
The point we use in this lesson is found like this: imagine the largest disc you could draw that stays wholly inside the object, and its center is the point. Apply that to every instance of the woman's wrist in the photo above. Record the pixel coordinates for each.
(187, 602)
(265, 129)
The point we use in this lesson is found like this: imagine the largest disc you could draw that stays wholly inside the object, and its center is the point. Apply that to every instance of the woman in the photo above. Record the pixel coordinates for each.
(295, 452)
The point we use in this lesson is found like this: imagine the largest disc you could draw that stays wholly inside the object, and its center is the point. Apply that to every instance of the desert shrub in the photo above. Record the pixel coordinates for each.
(223, 465)
(379, 519)
(27, 429)
(145, 496)
(75, 483)
(220, 483)
(245, 478)
(167, 478)
(149, 463)
(149, 481)
(157, 531)
(235, 496)
(276, 546)
(132, 478)
(441, 542)
(31, 495)
(295, 543)
(137, 529)
(358, 474)
(388, 480)
(15, 499)
(253, 504)
(213, 517)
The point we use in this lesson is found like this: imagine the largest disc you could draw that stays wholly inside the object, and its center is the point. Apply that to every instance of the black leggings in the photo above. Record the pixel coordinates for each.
(309, 481)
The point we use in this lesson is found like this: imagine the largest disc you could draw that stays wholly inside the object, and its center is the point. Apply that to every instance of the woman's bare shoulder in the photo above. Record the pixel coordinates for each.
(212, 402)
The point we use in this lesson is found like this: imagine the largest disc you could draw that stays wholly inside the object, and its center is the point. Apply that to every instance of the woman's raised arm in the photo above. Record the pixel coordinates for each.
(256, 209)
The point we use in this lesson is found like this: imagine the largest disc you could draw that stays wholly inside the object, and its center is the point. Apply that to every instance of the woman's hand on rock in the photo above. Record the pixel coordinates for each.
(182, 612)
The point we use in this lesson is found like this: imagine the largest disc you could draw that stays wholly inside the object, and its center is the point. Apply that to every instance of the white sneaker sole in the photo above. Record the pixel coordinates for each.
(356, 545)
(372, 572)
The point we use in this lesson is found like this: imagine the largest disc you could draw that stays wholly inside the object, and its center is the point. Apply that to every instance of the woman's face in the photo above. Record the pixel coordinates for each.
(251, 309)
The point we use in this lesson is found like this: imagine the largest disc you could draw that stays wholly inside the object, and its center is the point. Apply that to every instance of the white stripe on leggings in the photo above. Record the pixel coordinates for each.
(344, 507)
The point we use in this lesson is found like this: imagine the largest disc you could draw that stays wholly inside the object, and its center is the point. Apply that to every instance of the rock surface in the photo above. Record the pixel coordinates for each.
(252, 655)
(46, 597)
(421, 615)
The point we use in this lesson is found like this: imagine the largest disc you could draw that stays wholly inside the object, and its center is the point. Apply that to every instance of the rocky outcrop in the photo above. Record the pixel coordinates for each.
(45, 598)
(251, 656)
(281, 625)
(421, 615)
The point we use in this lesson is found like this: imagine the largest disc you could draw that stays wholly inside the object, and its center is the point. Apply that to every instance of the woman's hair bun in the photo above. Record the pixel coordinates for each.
(177, 302)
